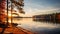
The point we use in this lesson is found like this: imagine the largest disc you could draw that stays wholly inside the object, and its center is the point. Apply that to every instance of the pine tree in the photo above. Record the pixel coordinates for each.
(17, 4)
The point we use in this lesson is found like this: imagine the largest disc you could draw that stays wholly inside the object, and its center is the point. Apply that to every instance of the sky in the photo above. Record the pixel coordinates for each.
(38, 7)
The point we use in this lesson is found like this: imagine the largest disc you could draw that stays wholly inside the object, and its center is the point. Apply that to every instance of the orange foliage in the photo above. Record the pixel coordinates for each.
(2, 8)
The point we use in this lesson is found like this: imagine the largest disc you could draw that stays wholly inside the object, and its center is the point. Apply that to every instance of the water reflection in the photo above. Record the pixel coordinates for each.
(29, 24)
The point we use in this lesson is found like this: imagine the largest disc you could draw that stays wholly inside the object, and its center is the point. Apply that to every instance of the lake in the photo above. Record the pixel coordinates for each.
(35, 26)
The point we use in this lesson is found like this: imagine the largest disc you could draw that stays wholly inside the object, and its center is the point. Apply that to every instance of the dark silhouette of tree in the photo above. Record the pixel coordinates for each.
(17, 4)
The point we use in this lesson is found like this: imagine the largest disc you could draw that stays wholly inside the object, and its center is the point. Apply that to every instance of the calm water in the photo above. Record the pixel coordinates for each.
(29, 24)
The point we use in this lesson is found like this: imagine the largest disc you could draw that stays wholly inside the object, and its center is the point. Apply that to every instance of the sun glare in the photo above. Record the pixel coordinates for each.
(9, 15)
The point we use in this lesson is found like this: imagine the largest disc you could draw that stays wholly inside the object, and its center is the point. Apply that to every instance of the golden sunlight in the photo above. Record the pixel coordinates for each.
(9, 15)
